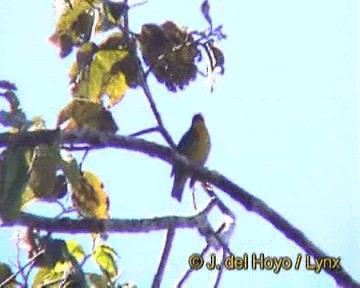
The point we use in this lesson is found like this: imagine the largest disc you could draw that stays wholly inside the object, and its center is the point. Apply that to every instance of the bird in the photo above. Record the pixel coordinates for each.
(195, 145)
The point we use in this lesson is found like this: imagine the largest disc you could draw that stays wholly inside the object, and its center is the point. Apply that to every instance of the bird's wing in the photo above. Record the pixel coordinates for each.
(185, 145)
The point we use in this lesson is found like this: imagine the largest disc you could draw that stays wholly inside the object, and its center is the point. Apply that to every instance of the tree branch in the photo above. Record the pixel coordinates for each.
(91, 225)
(102, 140)
(145, 131)
(164, 257)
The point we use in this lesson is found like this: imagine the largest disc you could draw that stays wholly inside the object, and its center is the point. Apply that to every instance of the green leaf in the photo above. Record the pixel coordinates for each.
(14, 166)
(70, 167)
(105, 257)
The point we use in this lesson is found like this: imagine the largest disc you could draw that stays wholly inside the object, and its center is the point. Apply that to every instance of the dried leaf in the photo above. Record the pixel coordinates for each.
(83, 113)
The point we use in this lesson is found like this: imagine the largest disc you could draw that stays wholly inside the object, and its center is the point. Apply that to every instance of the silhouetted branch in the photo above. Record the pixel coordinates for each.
(145, 131)
(190, 270)
(164, 257)
(4, 84)
(251, 203)
(88, 225)
(154, 109)
(220, 271)
(202, 254)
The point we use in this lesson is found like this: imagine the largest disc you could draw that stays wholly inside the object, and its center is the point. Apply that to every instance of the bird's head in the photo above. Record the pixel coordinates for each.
(197, 118)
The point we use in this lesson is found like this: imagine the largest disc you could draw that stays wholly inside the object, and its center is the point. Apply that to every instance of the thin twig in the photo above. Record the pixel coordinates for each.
(202, 254)
(31, 260)
(220, 271)
(238, 194)
(18, 262)
(144, 84)
(154, 109)
(164, 257)
(145, 131)
(193, 198)
(83, 158)
(138, 4)
(190, 270)
(223, 208)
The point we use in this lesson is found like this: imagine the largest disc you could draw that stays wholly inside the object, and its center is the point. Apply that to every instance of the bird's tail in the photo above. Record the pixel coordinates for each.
(178, 187)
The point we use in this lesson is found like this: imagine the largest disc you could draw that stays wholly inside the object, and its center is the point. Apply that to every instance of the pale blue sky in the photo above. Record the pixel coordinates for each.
(283, 121)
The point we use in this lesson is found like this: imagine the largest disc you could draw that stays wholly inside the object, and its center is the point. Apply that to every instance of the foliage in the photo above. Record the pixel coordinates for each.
(100, 78)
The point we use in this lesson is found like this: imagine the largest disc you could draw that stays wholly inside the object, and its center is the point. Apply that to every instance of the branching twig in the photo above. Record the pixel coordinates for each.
(220, 271)
(145, 131)
(143, 83)
(18, 262)
(164, 257)
(202, 254)
(189, 271)
(223, 208)
(13, 276)
(154, 109)
(251, 203)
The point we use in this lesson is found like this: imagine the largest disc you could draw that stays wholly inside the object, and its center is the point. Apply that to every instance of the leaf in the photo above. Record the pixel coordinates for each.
(58, 265)
(5, 273)
(70, 167)
(55, 251)
(83, 113)
(110, 15)
(64, 274)
(15, 117)
(89, 197)
(170, 52)
(45, 275)
(106, 71)
(14, 165)
(116, 88)
(74, 26)
(46, 160)
(100, 75)
(96, 280)
(105, 257)
(75, 249)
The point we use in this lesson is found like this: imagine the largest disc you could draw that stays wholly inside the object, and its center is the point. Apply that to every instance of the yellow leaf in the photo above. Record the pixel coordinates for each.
(116, 88)
(74, 71)
(45, 275)
(95, 82)
(89, 197)
(108, 57)
(74, 26)
(75, 249)
(105, 257)
(98, 84)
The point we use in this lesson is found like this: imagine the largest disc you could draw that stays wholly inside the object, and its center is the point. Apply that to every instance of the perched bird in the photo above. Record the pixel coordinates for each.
(195, 145)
